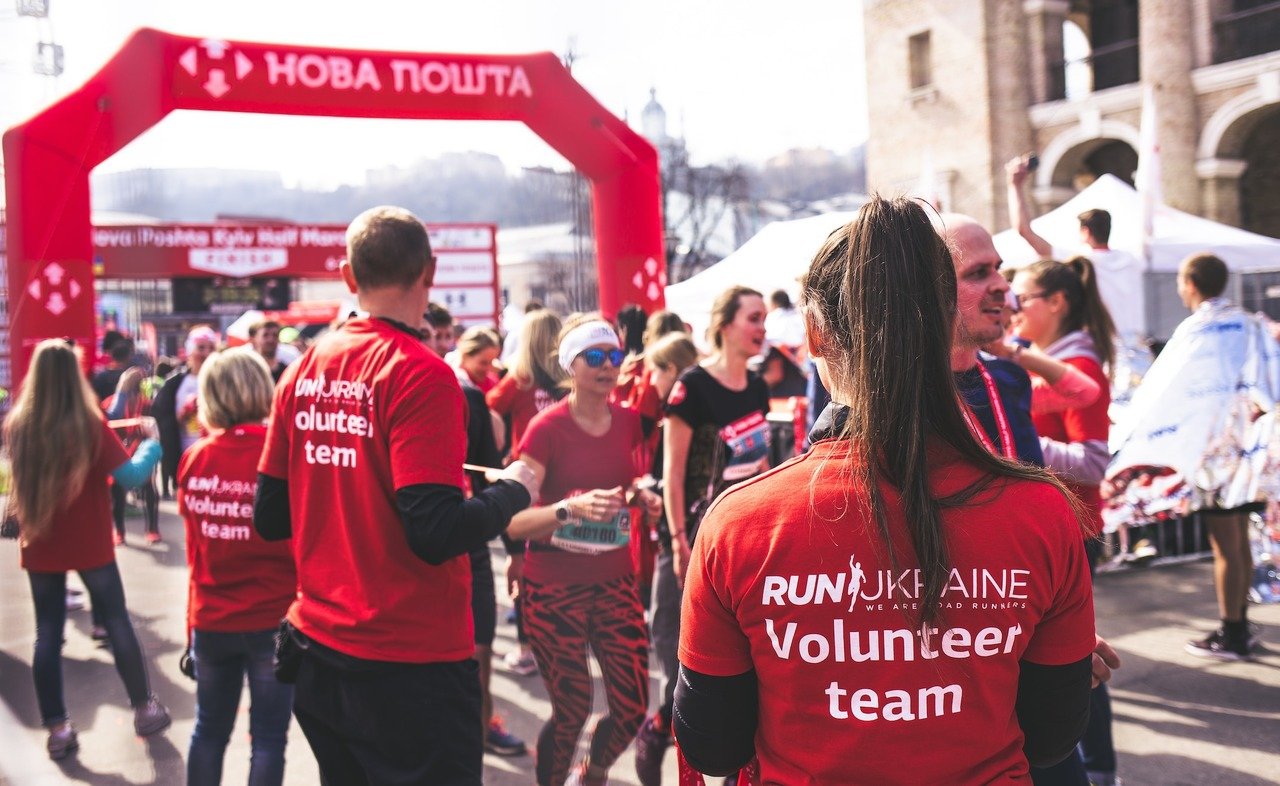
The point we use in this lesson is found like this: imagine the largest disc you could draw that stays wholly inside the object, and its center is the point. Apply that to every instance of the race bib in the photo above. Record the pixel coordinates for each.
(747, 440)
(594, 537)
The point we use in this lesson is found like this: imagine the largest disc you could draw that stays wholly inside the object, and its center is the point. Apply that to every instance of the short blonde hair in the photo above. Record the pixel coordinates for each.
(478, 339)
(235, 388)
(672, 350)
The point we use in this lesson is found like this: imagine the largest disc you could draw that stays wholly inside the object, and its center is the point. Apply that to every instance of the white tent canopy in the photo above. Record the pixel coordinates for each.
(1176, 235)
(772, 259)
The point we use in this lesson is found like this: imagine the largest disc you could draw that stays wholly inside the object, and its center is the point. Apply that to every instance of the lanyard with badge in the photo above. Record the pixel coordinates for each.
(1010, 448)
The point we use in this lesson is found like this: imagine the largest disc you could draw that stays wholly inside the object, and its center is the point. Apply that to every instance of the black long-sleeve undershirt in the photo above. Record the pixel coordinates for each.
(439, 523)
(1053, 709)
(715, 718)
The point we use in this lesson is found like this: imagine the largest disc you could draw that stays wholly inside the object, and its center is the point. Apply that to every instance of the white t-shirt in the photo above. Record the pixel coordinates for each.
(188, 428)
(784, 326)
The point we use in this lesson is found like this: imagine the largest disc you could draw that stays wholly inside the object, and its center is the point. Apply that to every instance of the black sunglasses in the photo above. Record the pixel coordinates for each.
(595, 357)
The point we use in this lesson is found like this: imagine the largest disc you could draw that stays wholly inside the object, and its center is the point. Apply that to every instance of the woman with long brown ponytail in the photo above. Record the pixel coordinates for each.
(62, 454)
(899, 593)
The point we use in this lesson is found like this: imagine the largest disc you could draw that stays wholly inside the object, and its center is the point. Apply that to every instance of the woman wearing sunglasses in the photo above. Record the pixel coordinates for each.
(1062, 315)
(579, 583)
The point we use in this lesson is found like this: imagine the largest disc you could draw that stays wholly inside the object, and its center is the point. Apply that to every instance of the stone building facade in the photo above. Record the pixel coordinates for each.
(958, 87)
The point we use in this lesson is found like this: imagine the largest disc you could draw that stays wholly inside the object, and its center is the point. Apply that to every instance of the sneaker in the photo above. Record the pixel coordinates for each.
(521, 663)
(1143, 551)
(99, 633)
(75, 599)
(153, 538)
(499, 741)
(62, 742)
(150, 718)
(1216, 645)
(651, 746)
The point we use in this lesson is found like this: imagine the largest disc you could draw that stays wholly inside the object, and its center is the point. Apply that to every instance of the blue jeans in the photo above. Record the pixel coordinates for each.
(106, 593)
(222, 660)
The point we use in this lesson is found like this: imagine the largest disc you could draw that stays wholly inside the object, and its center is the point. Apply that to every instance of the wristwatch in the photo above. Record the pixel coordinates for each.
(563, 513)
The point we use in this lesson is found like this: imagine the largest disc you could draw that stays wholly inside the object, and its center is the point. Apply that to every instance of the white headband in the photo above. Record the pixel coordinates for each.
(200, 334)
(584, 337)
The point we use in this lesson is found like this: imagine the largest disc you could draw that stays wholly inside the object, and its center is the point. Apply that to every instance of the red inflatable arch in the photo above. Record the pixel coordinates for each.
(48, 159)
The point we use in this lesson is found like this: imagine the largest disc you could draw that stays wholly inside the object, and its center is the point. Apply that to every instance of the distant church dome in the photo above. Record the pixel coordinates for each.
(653, 119)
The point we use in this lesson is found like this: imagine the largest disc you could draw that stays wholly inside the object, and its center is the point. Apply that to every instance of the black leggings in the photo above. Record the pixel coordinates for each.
(150, 505)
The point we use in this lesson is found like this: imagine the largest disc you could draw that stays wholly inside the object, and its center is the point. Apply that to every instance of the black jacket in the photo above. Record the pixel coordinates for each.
(164, 409)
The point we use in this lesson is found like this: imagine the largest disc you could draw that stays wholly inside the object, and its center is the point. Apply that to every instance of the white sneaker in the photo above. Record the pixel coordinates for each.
(521, 663)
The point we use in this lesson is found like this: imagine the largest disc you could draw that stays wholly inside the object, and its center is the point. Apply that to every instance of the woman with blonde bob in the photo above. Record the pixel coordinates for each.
(62, 453)
(241, 585)
(843, 597)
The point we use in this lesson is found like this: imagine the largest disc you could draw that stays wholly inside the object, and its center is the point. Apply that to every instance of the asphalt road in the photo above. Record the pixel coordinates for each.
(1178, 719)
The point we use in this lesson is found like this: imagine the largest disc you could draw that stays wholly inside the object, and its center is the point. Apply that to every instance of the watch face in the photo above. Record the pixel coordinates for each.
(562, 512)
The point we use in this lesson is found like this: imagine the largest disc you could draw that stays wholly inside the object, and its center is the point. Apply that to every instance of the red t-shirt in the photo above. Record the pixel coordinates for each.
(1082, 424)
(590, 551)
(364, 412)
(79, 537)
(521, 403)
(240, 583)
(788, 578)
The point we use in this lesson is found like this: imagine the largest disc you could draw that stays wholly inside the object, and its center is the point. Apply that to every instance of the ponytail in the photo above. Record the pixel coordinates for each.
(1091, 313)
(1077, 280)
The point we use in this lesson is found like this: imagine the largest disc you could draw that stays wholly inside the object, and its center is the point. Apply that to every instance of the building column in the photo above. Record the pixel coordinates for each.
(1165, 43)
(1044, 48)
(1010, 94)
(1220, 188)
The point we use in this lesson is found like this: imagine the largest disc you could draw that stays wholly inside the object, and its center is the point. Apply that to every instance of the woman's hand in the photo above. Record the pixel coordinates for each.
(680, 554)
(515, 572)
(597, 504)
(650, 502)
(130, 381)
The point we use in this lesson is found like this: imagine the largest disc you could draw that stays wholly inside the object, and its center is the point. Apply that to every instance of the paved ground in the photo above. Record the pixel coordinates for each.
(1178, 719)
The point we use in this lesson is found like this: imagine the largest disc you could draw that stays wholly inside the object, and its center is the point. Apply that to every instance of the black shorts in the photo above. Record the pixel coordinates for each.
(1245, 509)
(484, 599)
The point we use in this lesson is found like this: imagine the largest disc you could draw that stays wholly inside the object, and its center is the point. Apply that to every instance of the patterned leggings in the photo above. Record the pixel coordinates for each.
(562, 621)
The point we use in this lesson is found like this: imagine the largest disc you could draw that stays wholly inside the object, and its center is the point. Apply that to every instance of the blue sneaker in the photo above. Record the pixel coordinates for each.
(500, 742)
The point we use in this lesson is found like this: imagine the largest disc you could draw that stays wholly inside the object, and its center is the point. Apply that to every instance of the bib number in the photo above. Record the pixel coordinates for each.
(594, 537)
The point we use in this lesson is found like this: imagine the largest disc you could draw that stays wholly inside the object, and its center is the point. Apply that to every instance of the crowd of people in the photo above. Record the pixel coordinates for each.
(919, 571)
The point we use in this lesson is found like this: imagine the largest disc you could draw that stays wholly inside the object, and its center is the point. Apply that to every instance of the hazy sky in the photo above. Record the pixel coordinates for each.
(744, 79)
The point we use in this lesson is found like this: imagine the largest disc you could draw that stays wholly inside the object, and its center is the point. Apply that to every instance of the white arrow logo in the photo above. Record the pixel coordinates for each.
(214, 48)
(216, 85)
(54, 272)
(34, 288)
(652, 272)
(56, 304)
(220, 80)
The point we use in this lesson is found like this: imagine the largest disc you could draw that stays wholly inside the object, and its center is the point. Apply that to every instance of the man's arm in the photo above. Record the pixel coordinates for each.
(271, 508)
(1053, 709)
(1019, 214)
(440, 524)
(715, 719)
